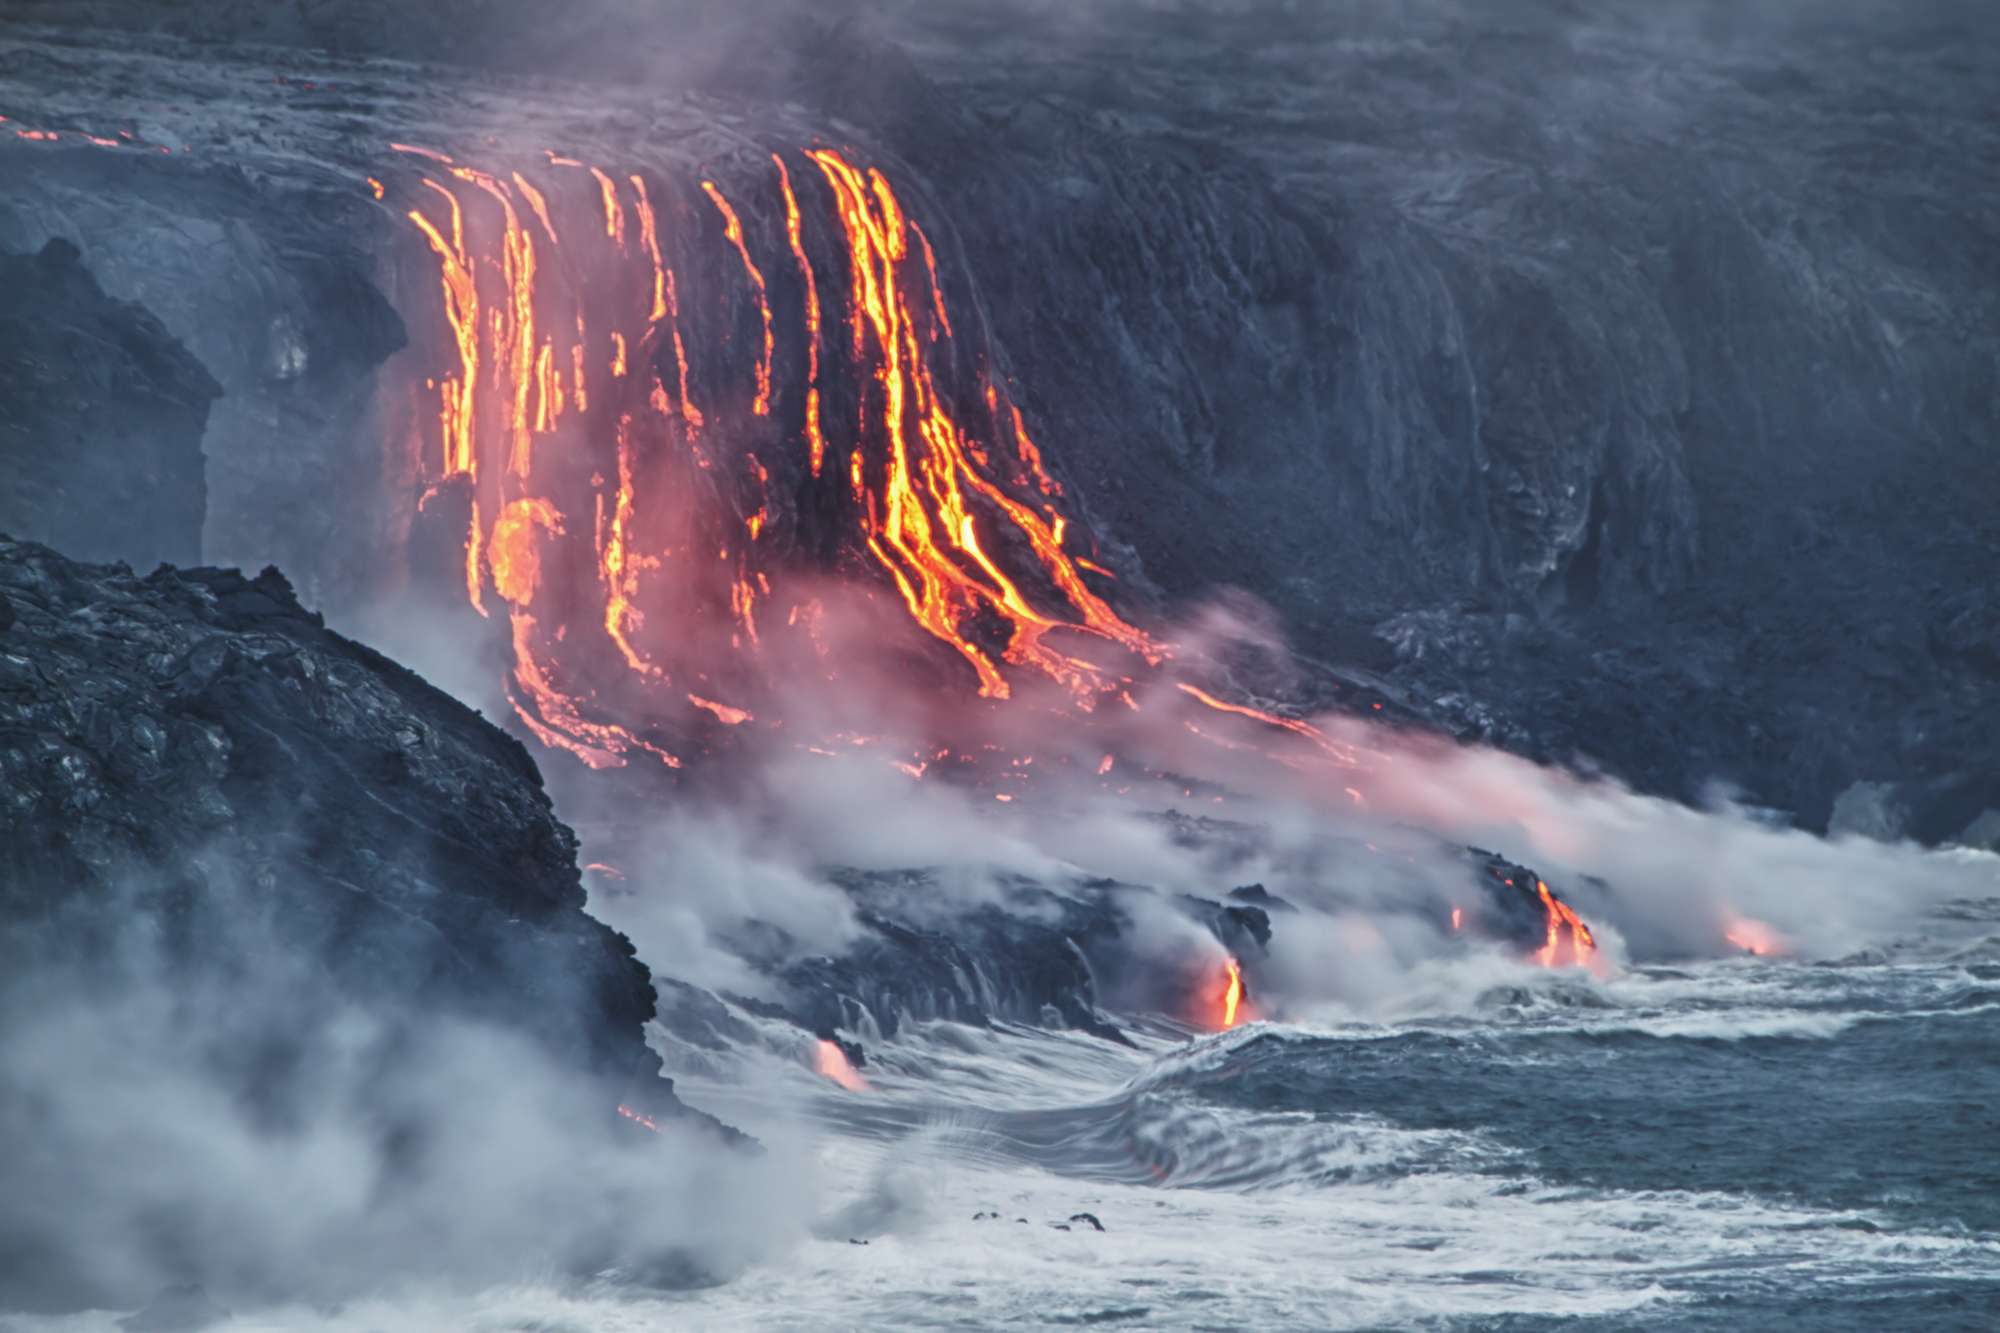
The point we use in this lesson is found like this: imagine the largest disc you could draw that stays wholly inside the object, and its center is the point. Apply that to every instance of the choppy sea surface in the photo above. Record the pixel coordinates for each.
(1722, 1145)
(1740, 1144)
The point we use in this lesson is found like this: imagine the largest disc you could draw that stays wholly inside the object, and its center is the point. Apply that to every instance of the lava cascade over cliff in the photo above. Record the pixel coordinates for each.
(649, 452)
(687, 441)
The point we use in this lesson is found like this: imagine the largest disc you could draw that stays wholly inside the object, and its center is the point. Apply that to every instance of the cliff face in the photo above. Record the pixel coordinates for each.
(1614, 386)
(266, 896)
(1619, 384)
(101, 441)
(196, 731)
(260, 278)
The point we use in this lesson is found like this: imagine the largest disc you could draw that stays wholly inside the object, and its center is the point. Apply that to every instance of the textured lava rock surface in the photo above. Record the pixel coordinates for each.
(177, 744)
(1057, 954)
(100, 438)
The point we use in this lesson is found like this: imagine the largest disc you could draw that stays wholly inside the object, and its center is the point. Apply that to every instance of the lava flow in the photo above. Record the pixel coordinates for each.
(1232, 995)
(1561, 917)
(1752, 937)
(701, 442)
(639, 498)
(1230, 1006)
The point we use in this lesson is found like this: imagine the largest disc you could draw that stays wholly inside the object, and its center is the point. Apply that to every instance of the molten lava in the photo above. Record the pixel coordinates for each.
(830, 1062)
(1561, 919)
(1753, 937)
(1232, 992)
(635, 386)
(522, 420)
(638, 1118)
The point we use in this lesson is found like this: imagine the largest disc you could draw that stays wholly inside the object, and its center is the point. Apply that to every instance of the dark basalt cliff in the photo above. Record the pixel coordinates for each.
(275, 302)
(193, 736)
(103, 415)
(257, 880)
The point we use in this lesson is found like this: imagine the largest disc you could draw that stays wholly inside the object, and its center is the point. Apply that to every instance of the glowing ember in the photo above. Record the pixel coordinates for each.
(734, 717)
(1457, 918)
(1343, 754)
(794, 233)
(830, 1062)
(733, 229)
(643, 1121)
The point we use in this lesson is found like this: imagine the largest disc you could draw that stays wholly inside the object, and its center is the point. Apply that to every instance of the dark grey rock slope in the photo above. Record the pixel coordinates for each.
(178, 741)
(100, 435)
(265, 896)
(1619, 379)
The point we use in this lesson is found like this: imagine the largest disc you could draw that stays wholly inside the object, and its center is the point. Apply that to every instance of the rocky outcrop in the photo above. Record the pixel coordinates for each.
(100, 442)
(1058, 953)
(195, 733)
(307, 869)
(262, 278)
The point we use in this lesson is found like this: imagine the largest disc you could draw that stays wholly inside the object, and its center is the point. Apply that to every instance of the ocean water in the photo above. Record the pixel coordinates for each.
(1722, 1145)
(1736, 1144)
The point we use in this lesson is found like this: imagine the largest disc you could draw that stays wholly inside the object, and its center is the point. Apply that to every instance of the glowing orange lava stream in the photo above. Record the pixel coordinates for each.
(924, 505)
(830, 1062)
(629, 536)
(1582, 944)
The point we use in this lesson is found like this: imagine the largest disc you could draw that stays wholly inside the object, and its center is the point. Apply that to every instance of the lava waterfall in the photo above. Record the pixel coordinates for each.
(667, 422)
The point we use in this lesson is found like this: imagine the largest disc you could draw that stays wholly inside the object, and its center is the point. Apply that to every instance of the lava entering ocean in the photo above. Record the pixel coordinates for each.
(683, 437)
(1561, 917)
(1232, 992)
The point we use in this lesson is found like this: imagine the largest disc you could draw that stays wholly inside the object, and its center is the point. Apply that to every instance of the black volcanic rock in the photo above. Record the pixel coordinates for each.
(921, 957)
(1617, 381)
(100, 438)
(260, 278)
(195, 727)
(313, 871)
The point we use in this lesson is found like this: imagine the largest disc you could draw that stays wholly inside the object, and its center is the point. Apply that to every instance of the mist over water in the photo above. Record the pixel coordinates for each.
(1422, 1124)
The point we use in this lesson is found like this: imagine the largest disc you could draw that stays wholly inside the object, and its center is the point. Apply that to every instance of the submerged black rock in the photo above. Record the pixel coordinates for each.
(1081, 954)
(101, 418)
(1021, 957)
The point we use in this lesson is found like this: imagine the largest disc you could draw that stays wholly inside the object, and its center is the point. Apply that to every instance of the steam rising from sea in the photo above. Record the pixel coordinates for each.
(1419, 1133)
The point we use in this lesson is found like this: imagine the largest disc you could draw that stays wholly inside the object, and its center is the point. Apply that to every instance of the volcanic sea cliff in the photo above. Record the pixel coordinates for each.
(1022, 404)
(1563, 381)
